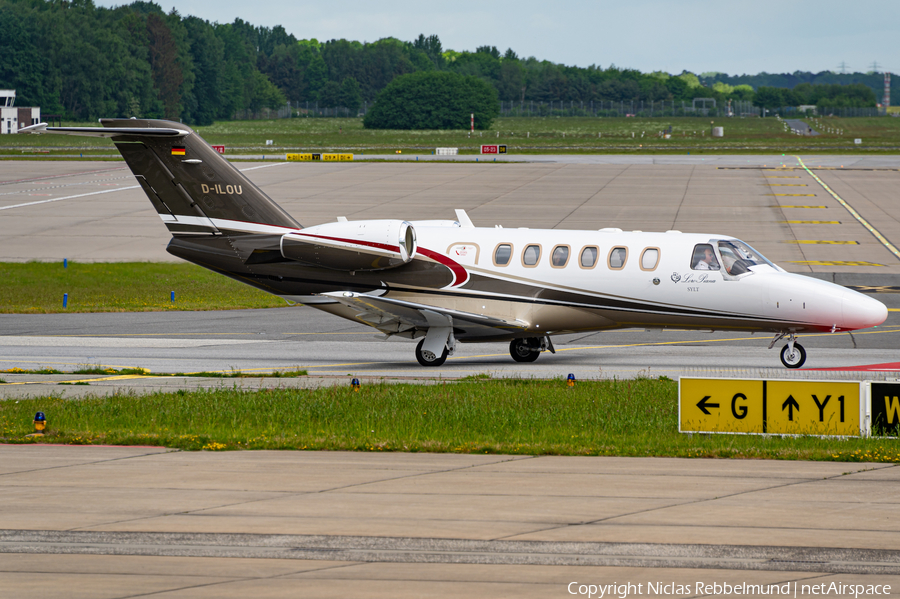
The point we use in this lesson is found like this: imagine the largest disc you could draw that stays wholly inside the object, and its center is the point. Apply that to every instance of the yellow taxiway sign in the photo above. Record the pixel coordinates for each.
(782, 407)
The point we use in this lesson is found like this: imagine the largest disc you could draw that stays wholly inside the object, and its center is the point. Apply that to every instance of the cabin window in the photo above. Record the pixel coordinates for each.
(531, 255)
(502, 254)
(589, 257)
(649, 259)
(618, 256)
(560, 256)
(704, 257)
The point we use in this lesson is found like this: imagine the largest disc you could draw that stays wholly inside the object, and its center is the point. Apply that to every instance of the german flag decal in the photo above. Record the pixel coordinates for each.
(177, 150)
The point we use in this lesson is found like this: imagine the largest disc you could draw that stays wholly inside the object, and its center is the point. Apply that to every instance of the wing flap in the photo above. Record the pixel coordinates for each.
(393, 316)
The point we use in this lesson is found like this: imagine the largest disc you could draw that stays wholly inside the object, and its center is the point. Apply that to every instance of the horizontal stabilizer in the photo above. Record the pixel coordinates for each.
(105, 131)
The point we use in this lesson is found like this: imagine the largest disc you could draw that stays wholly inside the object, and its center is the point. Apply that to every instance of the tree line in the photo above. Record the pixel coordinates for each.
(83, 61)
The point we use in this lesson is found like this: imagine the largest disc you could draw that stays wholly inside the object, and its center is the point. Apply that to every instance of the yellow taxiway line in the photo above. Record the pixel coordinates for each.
(853, 212)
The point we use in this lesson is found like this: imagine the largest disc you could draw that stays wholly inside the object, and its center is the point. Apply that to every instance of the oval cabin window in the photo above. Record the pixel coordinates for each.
(649, 259)
(502, 254)
(617, 258)
(589, 257)
(531, 255)
(560, 256)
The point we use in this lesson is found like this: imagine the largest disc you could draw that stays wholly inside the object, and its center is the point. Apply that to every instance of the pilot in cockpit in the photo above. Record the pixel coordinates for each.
(704, 258)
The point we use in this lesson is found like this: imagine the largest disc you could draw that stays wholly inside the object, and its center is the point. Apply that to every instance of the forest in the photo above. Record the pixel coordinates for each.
(82, 61)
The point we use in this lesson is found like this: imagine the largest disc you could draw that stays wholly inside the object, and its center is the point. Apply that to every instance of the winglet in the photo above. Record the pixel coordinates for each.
(464, 221)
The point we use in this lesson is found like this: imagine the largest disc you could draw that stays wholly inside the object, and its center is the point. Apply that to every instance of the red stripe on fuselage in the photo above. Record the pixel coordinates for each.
(460, 274)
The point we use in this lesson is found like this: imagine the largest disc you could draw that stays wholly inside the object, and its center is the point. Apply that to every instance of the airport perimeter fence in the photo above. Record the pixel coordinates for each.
(826, 111)
(630, 108)
(284, 112)
(704, 107)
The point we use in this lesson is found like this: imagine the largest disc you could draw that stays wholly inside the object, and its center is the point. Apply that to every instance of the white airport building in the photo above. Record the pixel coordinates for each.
(12, 117)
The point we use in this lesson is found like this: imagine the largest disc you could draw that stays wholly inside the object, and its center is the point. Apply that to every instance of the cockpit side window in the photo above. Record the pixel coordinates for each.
(704, 257)
(738, 257)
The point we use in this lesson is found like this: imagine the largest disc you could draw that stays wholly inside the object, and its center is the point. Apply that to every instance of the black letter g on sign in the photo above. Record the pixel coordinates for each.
(739, 411)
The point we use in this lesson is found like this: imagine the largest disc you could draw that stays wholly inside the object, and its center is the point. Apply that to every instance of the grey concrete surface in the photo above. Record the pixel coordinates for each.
(126, 522)
(94, 211)
(332, 349)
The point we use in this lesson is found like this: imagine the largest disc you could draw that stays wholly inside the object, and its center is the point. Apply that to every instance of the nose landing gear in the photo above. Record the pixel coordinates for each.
(792, 355)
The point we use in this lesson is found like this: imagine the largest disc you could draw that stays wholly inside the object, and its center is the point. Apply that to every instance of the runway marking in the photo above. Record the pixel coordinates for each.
(875, 288)
(787, 184)
(170, 335)
(108, 191)
(835, 263)
(777, 206)
(762, 338)
(104, 170)
(121, 377)
(649, 344)
(787, 177)
(793, 195)
(82, 195)
(853, 212)
(253, 168)
(810, 222)
(821, 242)
(61, 364)
(81, 183)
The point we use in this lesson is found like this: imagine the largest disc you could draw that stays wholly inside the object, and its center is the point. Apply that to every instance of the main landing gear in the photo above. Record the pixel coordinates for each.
(434, 349)
(430, 358)
(528, 349)
(792, 355)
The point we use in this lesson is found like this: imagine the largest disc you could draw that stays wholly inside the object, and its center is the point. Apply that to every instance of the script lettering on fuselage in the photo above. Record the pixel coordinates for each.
(220, 189)
(691, 278)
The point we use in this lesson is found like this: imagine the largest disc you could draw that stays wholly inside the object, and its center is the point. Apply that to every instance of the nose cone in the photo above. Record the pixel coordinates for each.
(862, 312)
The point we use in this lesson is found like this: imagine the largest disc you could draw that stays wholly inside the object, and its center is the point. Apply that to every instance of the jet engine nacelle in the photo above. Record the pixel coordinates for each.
(353, 246)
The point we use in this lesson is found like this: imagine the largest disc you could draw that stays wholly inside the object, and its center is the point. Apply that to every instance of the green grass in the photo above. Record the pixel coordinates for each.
(523, 135)
(237, 374)
(627, 418)
(38, 287)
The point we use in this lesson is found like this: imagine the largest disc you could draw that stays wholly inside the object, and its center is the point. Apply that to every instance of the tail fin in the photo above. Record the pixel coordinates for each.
(193, 188)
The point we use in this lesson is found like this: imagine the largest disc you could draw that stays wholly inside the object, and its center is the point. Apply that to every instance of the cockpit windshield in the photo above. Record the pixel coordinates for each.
(738, 257)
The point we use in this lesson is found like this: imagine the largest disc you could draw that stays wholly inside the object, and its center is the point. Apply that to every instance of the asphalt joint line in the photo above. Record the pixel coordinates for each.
(676, 504)
(93, 462)
(319, 492)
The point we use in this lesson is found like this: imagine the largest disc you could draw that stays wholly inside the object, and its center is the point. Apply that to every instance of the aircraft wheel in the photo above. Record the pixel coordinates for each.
(524, 350)
(429, 359)
(793, 360)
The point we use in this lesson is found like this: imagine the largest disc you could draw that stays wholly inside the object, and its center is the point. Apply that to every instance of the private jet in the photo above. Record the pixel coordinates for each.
(446, 282)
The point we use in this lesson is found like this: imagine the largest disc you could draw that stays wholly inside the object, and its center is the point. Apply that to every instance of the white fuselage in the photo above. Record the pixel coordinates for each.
(655, 285)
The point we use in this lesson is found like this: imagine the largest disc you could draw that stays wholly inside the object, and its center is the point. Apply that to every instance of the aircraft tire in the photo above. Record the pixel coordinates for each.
(434, 361)
(797, 359)
(524, 350)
